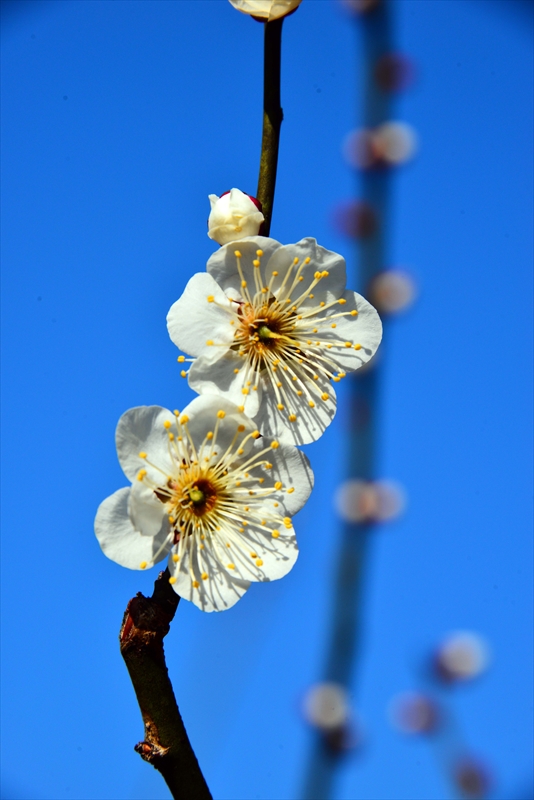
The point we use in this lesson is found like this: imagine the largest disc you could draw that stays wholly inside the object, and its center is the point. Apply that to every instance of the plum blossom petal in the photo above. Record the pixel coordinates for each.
(311, 413)
(220, 592)
(119, 539)
(209, 489)
(266, 9)
(190, 327)
(223, 266)
(137, 429)
(292, 469)
(233, 216)
(296, 330)
(228, 376)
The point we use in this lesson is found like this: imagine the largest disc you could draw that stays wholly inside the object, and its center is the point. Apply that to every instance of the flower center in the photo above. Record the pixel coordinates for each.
(197, 497)
(203, 497)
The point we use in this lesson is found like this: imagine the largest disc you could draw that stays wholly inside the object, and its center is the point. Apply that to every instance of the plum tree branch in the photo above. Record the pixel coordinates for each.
(272, 119)
(166, 745)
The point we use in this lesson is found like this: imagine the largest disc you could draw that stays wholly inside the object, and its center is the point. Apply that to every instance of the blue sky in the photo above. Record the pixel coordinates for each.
(119, 118)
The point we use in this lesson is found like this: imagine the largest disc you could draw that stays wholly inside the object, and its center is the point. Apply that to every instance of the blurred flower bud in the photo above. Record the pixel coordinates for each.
(396, 142)
(360, 6)
(471, 778)
(326, 706)
(358, 149)
(414, 713)
(233, 216)
(266, 10)
(392, 291)
(365, 501)
(462, 656)
(388, 145)
(355, 219)
(390, 500)
(394, 72)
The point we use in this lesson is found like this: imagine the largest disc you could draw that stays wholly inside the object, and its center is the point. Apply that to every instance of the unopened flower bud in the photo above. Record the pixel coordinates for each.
(461, 656)
(326, 706)
(233, 216)
(266, 10)
(414, 713)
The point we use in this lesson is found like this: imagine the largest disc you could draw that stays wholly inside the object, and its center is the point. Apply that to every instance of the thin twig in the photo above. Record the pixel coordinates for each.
(166, 745)
(272, 119)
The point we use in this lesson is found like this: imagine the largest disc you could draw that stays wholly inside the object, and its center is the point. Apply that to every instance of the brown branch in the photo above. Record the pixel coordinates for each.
(166, 746)
(272, 119)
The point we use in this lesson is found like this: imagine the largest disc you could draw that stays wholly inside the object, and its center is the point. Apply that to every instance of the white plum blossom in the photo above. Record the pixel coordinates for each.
(270, 327)
(209, 492)
(266, 9)
(233, 215)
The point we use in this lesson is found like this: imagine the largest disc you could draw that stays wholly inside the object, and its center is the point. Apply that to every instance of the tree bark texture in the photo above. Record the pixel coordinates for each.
(272, 120)
(166, 745)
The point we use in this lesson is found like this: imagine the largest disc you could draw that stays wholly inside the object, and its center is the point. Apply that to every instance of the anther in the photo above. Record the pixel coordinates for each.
(259, 562)
(175, 558)
(311, 404)
(204, 576)
(256, 263)
(181, 359)
(209, 435)
(209, 342)
(259, 253)
(275, 445)
(292, 417)
(141, 474)
(290, 490)
(287, 522)
(231, 566)
(341, 301)
(325, 273)
(183, 374)
(348, 344)
(172, 579)
(210, 298)
(275, 273)
(354, 313)
(221, 414)
(183, 419)
(357, 347)
(196, 584)
(278, 485)
(240, 428)
(143, 565)
(176, 412)
(275, 534)
(142, 454)
(236, 371)
(237, 253)
(245, 390)
(325, 396)
(256, 435)
(280, 407)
